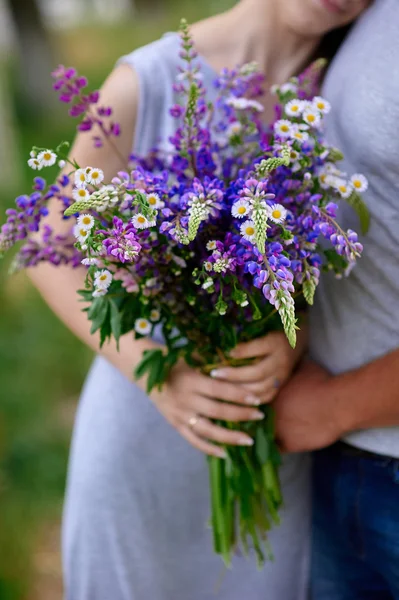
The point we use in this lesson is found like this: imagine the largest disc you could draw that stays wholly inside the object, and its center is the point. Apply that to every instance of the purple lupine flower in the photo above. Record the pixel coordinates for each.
(121, 242)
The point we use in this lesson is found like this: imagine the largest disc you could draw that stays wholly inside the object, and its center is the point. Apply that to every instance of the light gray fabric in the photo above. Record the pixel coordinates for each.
(356, 320)
(138, 495)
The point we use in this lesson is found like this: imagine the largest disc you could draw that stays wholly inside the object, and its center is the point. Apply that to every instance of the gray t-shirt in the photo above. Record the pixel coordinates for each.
(356, 320)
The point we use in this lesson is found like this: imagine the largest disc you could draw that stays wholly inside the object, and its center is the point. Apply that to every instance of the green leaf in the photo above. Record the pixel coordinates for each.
(170, 360)
(96, 307)
(144, 365)
(86, 295)
(155, 375)
(102, 316)
(105, 331)
(115, 321)
(357, 203)
(309, 288)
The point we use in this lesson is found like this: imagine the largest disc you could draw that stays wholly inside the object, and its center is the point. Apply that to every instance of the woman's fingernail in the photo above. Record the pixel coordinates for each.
(217, 373)
(257, 415)
(246, 441)
(221, 453)
(252, 400)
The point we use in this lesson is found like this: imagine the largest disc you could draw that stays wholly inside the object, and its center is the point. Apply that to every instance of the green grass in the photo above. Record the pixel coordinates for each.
(42, 366)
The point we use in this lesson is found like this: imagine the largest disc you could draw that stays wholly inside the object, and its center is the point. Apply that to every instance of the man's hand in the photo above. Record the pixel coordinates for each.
(305, 411)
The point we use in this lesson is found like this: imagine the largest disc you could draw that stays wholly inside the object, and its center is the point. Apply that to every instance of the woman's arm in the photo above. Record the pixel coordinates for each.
(58, 286)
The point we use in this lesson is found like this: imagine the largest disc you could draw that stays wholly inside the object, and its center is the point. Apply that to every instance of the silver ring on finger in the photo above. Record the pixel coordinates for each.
(276, 383)
(192, 422)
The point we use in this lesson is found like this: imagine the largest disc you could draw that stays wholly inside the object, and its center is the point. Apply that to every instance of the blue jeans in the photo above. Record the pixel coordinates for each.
(355, 526)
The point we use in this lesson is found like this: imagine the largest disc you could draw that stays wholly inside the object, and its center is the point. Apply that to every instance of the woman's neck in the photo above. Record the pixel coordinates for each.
(255, 30)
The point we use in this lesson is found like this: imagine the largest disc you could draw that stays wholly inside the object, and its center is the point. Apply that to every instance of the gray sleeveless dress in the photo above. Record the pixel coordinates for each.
(137, 503)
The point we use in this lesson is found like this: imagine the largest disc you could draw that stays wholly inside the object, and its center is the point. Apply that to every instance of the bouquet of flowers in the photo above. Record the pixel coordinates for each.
(217, 240)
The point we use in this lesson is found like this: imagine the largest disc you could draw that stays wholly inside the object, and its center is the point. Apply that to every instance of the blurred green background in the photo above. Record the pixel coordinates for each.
(42, 366)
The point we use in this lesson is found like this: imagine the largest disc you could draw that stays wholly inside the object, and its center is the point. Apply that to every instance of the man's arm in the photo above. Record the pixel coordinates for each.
(315, 409)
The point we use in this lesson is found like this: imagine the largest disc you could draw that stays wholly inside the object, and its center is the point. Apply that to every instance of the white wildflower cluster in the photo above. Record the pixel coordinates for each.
(140, 221)
(330, 177)
(82, 229)
(309, 114)
(244, 104)
(102, 281)
(45, 158)
(291, 87)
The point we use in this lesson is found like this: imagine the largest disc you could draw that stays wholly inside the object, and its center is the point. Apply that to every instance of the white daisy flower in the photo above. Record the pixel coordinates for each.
(142, 326)
(343, 187)
(240, 209)
(88, 262)
(298, 135)
(208, 266)
(234, 129)
(32, 154)
(80, 177)
(35, 164)
(324, 180)
(103, 279)
(80, 194)
(288, 87)
(294, 155)
(283, 128)
(86, 222)
(155, 315)
(61, 164)
(211, 245)
(80, 232)
(95, 176)
(311, 117)
(255, 105)
(294, 108)
(99, 292)
(321, 105)
(359, 182)
(140, 221)
(247, 230)
(331, 181)
(154, 201)
(47, 158)
(277, 213)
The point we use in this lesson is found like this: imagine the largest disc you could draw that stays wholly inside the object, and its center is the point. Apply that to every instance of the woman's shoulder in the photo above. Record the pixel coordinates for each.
(157, 58)
(155, 66)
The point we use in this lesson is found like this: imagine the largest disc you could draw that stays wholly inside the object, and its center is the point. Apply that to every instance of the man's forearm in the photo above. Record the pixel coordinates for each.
(369, 396)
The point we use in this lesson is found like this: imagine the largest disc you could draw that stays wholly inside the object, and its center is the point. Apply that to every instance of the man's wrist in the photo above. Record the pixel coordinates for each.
(343, 410)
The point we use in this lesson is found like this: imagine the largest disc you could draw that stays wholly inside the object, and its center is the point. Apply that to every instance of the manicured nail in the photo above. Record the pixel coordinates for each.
(221, 453)
(217, 373)
(257, 415)
(246, 441)
(253, 400)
